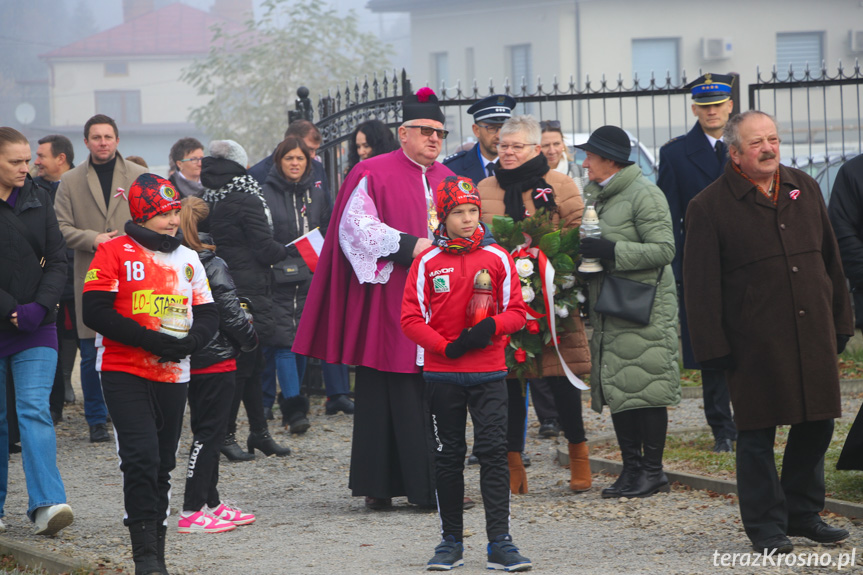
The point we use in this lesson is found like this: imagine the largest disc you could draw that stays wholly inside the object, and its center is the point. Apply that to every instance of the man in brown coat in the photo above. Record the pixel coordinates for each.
(767, 302)
(92, 207)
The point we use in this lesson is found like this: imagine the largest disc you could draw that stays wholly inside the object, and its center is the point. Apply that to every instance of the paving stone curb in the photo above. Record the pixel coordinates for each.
(701, 482)
(28, 556)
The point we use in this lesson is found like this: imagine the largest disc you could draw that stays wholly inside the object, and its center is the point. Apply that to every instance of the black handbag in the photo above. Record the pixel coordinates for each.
(290, 270)
(627, 299)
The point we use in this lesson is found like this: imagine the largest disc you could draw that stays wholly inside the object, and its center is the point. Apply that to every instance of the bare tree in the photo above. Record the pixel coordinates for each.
(253, 75)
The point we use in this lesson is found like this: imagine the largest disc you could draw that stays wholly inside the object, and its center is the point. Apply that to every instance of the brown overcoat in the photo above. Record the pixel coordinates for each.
(573, 345)
(83, 215)
(764, 284)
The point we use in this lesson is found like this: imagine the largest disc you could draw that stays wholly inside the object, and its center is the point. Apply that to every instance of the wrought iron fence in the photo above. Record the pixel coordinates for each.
(819, 116)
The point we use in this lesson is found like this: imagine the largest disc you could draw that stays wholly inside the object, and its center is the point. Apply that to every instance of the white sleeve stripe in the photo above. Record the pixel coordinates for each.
(507, 279)
(421, 282)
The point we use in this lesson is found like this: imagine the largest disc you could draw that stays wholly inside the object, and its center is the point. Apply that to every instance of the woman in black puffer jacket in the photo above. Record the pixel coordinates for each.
(241, 226)
(298, 207)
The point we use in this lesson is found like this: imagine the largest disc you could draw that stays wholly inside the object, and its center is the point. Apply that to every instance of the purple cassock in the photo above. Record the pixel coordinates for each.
(353, 311)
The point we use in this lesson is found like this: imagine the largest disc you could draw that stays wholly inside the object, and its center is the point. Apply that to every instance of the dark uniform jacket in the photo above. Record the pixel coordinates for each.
(467, 163)
(764, 284)
(687, 165)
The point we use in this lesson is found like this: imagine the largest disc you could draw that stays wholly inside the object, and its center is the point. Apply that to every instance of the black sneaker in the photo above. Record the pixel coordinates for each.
(99, 433)
(549, 428)
(447, 555)
(502, 554)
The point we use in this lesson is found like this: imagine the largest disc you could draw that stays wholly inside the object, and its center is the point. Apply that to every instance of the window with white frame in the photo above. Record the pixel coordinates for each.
(122, 105)
(657, 56)
(440, 70)
(797, 49)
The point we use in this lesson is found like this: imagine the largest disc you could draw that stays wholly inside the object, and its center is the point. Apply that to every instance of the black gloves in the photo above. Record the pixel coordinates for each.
(168, 347)
(157, 343)
(477, 337)
(723, 363)
(597, 248)
(480, 335)
(841, 342)
(459, 347)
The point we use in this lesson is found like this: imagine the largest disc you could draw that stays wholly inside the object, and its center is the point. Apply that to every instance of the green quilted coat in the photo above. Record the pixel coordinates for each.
(634, 365)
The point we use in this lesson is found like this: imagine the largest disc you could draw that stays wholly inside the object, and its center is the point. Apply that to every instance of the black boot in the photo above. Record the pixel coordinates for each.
(264, 442)
(626, 429)
(294, 413)
(144, 548)
(233, 451)
(161, 531)
(654, 424)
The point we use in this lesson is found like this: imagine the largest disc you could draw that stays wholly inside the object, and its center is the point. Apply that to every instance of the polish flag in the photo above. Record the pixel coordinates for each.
(309, 247)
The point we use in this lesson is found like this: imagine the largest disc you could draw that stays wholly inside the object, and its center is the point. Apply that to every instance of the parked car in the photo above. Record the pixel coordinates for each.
(822, 167)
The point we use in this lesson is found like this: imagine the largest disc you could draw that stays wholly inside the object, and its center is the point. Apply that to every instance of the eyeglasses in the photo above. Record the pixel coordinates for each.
(196, 160)
(517, 148)
(550, 124)
(490, 128)
(428, 131)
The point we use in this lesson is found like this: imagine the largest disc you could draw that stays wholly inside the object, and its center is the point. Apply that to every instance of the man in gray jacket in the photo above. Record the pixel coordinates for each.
(92, 207)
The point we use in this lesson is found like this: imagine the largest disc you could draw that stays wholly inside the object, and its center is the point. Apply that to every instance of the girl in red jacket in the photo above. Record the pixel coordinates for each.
(462, 354)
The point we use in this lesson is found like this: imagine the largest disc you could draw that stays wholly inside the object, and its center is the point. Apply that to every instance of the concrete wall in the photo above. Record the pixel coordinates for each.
(164, 98)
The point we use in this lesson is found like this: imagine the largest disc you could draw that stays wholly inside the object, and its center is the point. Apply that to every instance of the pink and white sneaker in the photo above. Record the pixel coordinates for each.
(233, 514)
(203, 521)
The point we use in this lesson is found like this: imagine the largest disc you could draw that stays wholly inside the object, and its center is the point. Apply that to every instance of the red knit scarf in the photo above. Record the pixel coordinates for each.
(458, 245)
(773, 194)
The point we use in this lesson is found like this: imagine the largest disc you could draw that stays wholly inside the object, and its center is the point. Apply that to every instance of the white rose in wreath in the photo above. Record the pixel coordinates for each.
(580, 296)
(524, 267)
(561, 311)
(568, 282)
(527, 294)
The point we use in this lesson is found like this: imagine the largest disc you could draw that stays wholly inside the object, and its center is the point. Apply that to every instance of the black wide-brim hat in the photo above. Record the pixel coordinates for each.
(611, 143)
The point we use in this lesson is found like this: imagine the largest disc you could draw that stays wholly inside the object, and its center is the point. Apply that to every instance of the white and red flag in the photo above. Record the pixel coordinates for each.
(309, 247)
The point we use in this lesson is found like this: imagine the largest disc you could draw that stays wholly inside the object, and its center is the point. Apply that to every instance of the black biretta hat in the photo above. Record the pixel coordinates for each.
(422, 106)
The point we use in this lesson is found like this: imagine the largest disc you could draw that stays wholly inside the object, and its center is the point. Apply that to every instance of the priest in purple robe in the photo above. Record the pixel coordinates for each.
(385, 214)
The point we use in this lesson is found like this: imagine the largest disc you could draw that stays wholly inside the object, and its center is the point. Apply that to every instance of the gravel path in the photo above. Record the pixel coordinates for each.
(308, 523)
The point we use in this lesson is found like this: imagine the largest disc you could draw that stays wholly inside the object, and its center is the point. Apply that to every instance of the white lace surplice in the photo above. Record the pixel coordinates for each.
(365, 239)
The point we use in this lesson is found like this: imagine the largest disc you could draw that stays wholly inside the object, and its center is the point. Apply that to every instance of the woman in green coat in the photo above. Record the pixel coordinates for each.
(635, 370)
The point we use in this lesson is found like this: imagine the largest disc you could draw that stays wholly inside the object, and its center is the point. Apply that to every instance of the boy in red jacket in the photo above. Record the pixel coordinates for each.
(462, 354)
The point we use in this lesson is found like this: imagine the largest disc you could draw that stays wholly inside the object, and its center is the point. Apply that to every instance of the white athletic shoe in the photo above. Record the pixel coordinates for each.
(50, 520)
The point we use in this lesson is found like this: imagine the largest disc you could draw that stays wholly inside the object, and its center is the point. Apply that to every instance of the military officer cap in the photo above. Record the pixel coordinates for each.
(495, 109)
(711, 89)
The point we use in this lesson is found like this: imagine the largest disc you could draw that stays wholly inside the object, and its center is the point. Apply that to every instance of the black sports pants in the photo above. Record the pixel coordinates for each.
(487, 403)
(210, 399)
(147, 418)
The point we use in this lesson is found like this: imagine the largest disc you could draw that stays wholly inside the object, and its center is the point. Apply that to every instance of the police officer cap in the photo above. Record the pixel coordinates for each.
(711, 89)
(495, 109)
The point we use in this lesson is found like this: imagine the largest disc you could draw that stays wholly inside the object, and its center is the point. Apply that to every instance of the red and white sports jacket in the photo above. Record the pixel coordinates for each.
(434, 307)
(145, 283)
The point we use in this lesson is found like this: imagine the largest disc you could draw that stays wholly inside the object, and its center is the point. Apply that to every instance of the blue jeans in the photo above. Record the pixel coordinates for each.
(290, 368)
(336, 378)
(32, 375)
(91, 386)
